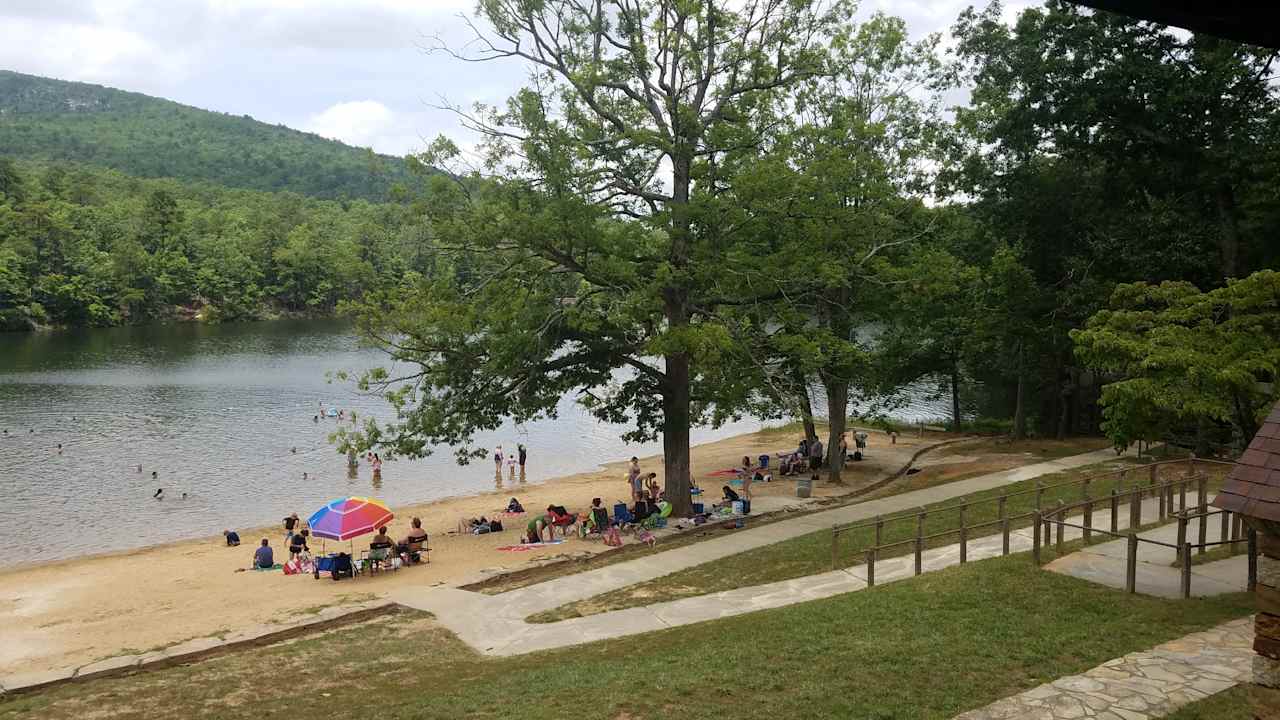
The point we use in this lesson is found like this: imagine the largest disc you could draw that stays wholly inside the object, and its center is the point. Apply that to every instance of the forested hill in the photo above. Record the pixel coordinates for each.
(46, 119)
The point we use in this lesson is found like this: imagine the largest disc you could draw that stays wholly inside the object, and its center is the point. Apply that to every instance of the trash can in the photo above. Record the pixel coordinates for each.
(804, 487)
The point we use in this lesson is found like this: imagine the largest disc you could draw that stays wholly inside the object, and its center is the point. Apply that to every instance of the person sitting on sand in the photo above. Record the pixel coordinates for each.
(414, 541)
(382, 540)
(233, 539)
(729, 497)
(651, 484)
(598, 520)
(514, 507)
(533, 531)
(263, 558)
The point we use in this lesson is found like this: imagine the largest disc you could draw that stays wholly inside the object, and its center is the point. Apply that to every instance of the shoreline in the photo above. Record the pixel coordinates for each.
(78, 610)
(618, 467)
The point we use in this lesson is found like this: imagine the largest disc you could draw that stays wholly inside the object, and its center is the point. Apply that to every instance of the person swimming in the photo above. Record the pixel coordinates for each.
(154, 474)
(159, 494)
(294, 449)
(59, 448)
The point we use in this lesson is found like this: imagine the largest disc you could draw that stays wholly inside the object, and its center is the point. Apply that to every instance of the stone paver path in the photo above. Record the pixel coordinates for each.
(1105, 563)
(496, 624)
(1140, 685)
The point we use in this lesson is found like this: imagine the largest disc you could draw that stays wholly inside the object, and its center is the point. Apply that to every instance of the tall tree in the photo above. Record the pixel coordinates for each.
(834, 195)
(1186, 356)
(631, 107)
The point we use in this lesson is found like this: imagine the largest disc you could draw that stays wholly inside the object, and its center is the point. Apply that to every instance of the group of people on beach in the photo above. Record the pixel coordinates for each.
(512, 461)
(640, 485)
(297, 536)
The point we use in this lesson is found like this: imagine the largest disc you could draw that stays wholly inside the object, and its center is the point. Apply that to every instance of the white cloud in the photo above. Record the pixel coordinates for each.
(365, 123)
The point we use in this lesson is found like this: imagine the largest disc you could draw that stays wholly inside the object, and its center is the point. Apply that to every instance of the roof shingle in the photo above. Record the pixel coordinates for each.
(1252, 487)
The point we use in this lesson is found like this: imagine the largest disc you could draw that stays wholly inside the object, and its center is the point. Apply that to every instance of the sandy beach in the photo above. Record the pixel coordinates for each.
(75, 611)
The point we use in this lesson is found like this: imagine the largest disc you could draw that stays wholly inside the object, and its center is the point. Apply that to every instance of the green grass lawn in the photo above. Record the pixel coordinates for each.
(929, 647)
(810, 554)
(1230, 704)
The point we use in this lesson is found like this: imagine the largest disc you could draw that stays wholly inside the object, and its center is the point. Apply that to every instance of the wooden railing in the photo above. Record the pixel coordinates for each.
(963, 530)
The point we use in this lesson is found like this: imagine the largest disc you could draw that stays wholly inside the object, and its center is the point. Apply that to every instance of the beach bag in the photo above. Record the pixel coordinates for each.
(612, 537)
(495, 526)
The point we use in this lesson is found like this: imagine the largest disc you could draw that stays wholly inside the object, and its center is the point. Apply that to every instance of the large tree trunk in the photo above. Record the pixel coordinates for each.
(955, 397)
(1020, 402)
(837, 409)
(675, 391)
(804, 404)
(1229, 233)
(675, 435)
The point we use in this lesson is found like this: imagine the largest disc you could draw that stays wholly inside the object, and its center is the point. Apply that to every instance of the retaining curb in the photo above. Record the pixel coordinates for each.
(196, 649)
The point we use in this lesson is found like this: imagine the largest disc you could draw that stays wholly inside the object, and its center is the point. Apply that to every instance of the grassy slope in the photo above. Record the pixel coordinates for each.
(929, 647)
(810, 554)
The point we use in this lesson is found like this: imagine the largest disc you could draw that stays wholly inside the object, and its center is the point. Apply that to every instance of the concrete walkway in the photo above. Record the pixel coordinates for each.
(1104, 563)
(1139, 685)
(495, 625)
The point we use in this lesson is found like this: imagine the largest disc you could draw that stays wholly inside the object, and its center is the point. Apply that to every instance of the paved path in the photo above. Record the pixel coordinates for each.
(1104, 563)
(495, 624)
(1139, 685)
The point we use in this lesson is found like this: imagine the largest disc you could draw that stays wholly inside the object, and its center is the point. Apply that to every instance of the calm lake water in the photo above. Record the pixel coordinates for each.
(215, 411)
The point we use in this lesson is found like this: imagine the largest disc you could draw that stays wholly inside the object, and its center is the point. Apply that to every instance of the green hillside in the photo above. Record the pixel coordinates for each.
(45, 119)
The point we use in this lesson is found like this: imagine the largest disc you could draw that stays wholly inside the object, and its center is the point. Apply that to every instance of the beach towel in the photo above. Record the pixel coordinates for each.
(731, 472)
(523, 547)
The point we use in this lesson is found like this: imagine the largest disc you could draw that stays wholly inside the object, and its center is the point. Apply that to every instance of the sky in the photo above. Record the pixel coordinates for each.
(352, 70)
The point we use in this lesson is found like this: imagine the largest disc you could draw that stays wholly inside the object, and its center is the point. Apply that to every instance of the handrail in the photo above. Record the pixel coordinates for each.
(906, 515)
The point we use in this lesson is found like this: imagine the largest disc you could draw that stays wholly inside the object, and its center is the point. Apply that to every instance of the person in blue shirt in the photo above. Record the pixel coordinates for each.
(263, 557)
(233, 539)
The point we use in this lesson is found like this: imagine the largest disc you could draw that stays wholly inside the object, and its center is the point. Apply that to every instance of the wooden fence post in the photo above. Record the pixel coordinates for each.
(879, 530)
(1088, 516)
(1191, 463)
(1224, 528)
(1039, 495)
(1115, 511)
(1182, 494)
(1004, 525)
(1131, 564)
(1062, 517)
(1152, 471)
(1202, 502)
(1084, 489)
(1035, 539)
(871, 567)
(1186, 570)
(1135, 508)
(964, 536)
(1182, 533)
(1253, 560)
(920, 541)
(1162, 512)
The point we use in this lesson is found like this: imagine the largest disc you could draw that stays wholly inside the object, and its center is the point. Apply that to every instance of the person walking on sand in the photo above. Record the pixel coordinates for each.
(815, 454)
(289, 524)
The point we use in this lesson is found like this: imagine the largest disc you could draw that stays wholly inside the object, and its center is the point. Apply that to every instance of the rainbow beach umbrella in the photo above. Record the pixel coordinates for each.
(349, 517)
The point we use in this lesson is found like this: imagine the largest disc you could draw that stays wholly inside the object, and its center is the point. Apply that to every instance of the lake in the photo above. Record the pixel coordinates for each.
(225, 414)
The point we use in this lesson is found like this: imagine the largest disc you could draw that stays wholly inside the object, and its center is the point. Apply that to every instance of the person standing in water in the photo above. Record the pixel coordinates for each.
(524, 455)
(511, 468)
(497, 463)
